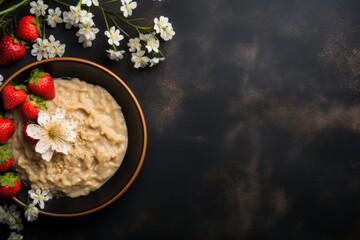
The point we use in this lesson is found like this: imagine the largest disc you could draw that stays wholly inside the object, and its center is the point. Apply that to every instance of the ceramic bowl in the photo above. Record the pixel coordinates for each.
(118, 184)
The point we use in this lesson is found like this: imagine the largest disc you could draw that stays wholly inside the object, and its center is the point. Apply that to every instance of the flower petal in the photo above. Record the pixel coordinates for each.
(59, 115)
(44, 118)
(47, 155)
(34, 131)
(42, 145)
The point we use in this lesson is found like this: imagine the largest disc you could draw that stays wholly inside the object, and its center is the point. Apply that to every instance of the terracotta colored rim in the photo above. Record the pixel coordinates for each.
(143, 152)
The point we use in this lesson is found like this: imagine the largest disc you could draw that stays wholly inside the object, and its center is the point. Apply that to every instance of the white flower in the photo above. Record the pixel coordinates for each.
(73, 17)
(155, 60)
(134, 44)
(87, 19)
(39, 49)
(54, 133)
(127, 7)
(90, 2)
(31, 212)
(115, 55)
(54, 17)
(12, 218)
(163, 27)
(39, 197)
(60, 50)
(52, 44)
(15, 236)
(38, 8)
(114, 36)
(139, 59)
(86, 34)
(1, 79)
(152, 43)
(168, 33)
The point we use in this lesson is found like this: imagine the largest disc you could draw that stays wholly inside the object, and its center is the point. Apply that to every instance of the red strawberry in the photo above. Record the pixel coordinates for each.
(7, 129)
(30, 109)
(13, 96)
(28, 28)
(6, 158)
(42, 84)
(30, 139)
(10, 185)
(11, 50)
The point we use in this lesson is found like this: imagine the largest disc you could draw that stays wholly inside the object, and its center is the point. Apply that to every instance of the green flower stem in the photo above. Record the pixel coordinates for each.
(105, 19)
(117, 25)
(66, 4)
(146, 28)
(110, 1)
(13, 8)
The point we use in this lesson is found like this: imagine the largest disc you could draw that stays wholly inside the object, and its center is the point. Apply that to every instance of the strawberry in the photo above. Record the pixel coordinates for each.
(10, 185)
(7, 129)
(11, 50)
(30, 139)
(42, 84)
(6, 158)
(30, 109)
(28, 28)
(13, 96)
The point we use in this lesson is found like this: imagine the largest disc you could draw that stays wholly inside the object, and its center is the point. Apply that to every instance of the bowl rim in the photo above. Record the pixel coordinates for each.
(143, 123)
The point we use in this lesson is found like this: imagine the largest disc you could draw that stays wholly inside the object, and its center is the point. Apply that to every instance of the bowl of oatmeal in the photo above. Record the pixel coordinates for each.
(110, 144)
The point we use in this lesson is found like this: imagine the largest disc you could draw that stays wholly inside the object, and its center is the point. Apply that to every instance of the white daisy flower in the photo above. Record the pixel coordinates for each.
(39, 49)
(139, 59)
(127, 7)
(54, 17)
(114, 36)
(90, 2)
(152, 43)
(87, 19)
(73, 17)
(15, 236)
(86, 35)
(134, 44)
(39, 197)
(54, 132)
(51, 46)
(155, 60)
(60, 50)
(163, 27)
(12, 218)
(115, 55)
(1, 82)
(38, 8)
(31, 212)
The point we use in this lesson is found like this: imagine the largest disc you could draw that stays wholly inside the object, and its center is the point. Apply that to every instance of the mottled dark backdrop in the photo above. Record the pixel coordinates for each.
(254, 125)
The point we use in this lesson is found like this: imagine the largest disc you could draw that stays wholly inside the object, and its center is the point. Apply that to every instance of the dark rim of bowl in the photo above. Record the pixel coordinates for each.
(142, 158)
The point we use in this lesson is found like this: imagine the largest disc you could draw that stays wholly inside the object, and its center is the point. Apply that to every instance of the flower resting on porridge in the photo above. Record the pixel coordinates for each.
(54, 132)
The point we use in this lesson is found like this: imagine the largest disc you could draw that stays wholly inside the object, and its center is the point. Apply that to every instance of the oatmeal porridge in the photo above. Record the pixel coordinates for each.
(97, 153)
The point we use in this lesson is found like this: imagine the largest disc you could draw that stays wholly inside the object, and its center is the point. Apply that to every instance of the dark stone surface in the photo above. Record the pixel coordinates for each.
(253, 120)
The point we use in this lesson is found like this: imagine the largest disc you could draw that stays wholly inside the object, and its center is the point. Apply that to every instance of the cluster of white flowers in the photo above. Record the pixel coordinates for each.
(39, 197)
(163, 27)
(150, 43)
(47, 48)
(144, 49)
(11, 217)
(1, 79)
(82, 19)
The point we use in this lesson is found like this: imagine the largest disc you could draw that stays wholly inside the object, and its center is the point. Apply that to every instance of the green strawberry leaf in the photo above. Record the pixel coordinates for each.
(5, 153)
(8, 179)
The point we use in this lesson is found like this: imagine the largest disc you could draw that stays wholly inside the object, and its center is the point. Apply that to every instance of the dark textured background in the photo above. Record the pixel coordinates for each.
(254, 123)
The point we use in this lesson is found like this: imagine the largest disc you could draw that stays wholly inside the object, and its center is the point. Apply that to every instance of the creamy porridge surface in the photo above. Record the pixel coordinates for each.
(99, 149)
